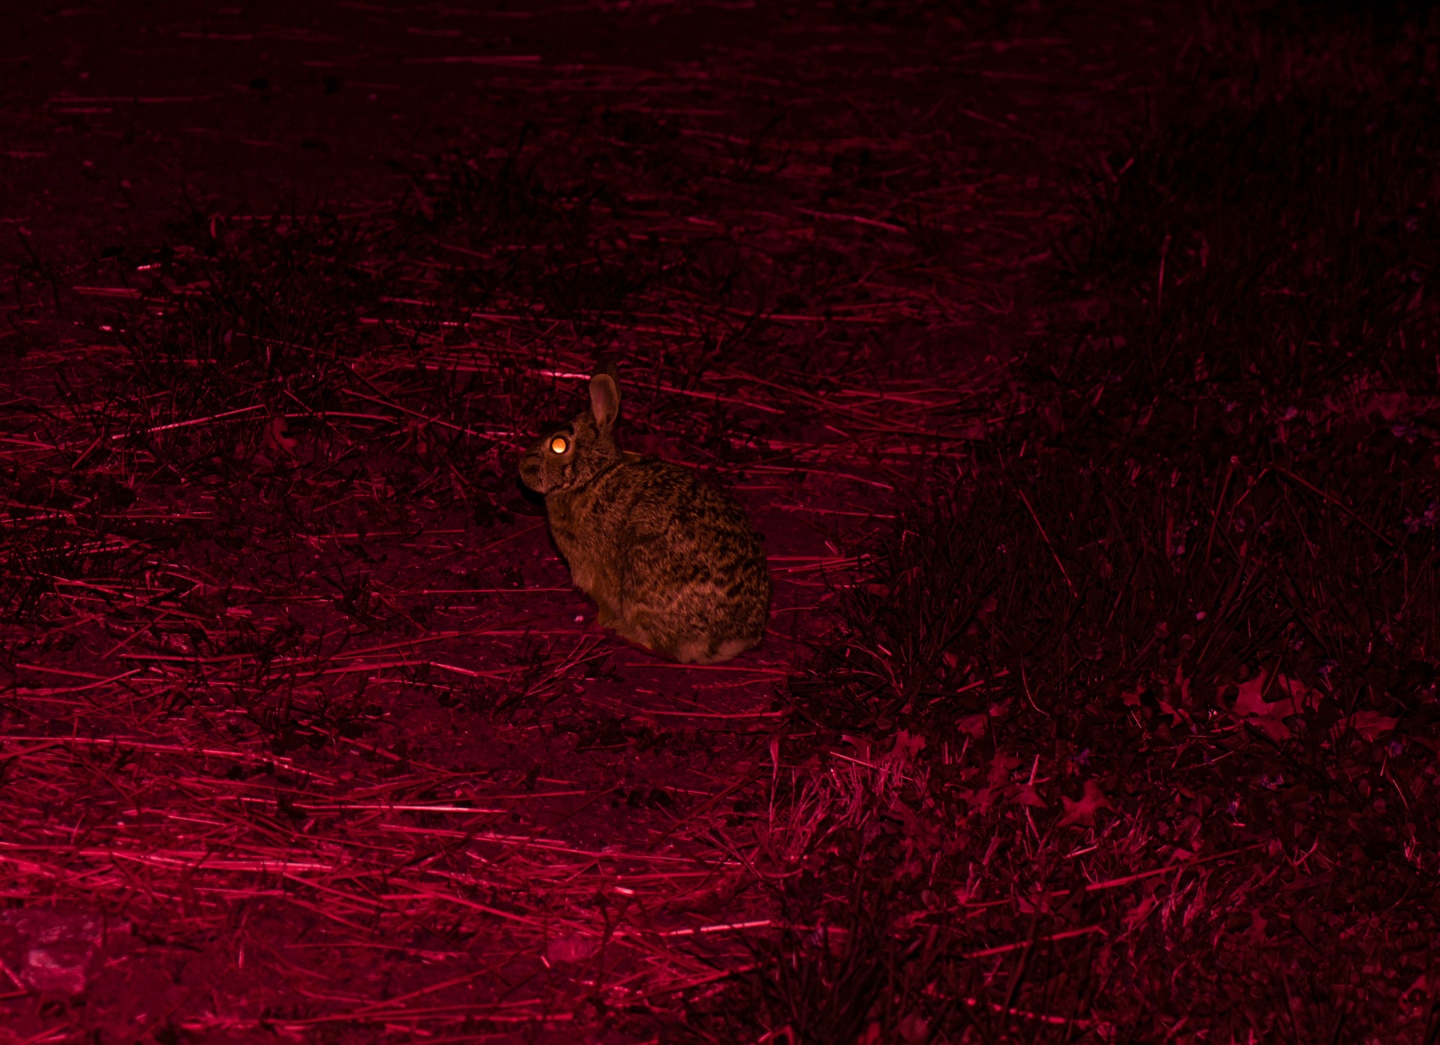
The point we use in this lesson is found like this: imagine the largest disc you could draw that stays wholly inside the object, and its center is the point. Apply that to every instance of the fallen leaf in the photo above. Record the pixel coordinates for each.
(1419, 986)
(276, 445)
(1083, 812)
(1025, 795)
(1370, 724)
(1257, 926)
(1176, 714)
(906, 747)
(1000, 767)
(1269, 716)
(1136, 915)
(974, 725)
(978, 799)
(915, 827)
(997, 780)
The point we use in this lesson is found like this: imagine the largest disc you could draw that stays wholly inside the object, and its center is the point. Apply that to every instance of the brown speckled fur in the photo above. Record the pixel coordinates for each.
(673, 564)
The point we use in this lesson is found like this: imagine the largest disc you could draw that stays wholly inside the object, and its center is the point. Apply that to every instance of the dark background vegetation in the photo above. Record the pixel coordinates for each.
(1078, 363)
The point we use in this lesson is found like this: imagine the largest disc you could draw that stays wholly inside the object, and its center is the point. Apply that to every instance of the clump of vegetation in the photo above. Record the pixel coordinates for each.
(1168, 653)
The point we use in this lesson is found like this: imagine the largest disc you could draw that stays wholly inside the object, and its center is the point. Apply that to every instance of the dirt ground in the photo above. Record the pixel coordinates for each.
(306, 735)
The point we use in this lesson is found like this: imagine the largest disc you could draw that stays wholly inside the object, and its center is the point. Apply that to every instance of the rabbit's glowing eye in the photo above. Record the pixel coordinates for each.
(559, 444)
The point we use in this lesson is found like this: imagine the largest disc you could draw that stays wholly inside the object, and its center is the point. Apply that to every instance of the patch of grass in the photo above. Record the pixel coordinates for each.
(1166, 659)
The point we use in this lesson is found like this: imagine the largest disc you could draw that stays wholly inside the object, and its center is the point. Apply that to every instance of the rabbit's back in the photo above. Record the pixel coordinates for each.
(672, 562)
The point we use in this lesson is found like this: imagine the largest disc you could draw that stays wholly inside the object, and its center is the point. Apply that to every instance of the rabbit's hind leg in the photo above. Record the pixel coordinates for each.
(707, 649)
(606, 617)
(634, 631)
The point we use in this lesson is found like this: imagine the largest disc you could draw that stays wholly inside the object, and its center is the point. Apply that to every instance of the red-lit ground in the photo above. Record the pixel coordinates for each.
(305, 735)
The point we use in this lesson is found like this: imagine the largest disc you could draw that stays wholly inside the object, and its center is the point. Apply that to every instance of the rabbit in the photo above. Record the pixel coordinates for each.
(672, 563)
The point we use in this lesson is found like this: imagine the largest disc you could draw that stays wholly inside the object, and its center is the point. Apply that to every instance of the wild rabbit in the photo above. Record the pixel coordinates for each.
(673, 564)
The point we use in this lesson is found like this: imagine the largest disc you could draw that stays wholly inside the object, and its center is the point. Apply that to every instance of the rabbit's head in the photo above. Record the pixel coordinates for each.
(567, 455)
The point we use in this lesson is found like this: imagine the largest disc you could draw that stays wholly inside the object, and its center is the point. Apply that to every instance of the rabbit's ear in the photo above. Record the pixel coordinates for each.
(604, 400)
